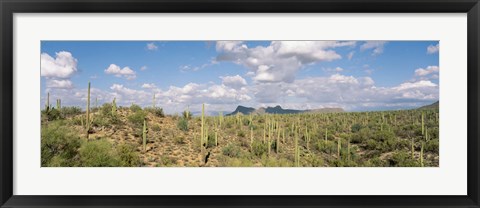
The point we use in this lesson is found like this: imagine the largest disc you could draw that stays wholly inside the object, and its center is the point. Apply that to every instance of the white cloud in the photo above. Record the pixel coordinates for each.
(127, 96)
(143, 68)
(64, 83)
(125, 72)
(346, 91)
(429, 70)
(152, 46)
(186, 68)
(377, 46)
(235, 82)
(149, 86)
(63, 66)
(336, 69)
(431, 49)
(279, 61)
(412, 85)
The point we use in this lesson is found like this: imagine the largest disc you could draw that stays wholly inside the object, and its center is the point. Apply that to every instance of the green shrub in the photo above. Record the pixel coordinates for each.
(182, 124)
(328, 147)
(98, 153)
(211, 140)
(135, 108)
(375, 162)
(70, 111)
(158, 112)
(231, 150)
(155, 127)
(187, 115)
(128, 156)
(356, 127)
(52, 114)
(402, 159)
(59, 144)
(137, 118)
(179, 140)
(241, 133)
(432, 146)
(166, 161)
(106, 109)
(259, 148)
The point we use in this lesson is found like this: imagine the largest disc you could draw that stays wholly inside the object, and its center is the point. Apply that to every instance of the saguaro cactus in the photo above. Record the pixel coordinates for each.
(339, 147)
(203, 125)
(421, 155)
(47, 104)
(326, 134)
(114, 107)
(348, 150)
(413, 148)
(297, 151)
(251, 139)
(88, 109)
(220, 119)
(144, 134)
(59, 104)
(423, 124)
(154, 101)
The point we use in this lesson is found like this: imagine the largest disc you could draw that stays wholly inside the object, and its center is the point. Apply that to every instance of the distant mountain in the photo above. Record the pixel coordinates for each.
(243, 110)
(279, 110)
(434, 105)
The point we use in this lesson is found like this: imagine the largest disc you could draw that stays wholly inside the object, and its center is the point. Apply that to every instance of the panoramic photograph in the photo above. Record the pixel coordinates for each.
(239, 103)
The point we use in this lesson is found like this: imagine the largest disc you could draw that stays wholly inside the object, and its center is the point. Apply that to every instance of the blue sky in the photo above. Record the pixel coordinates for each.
(354, 75)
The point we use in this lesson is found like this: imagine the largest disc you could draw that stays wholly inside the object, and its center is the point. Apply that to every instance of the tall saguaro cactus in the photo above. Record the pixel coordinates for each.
(203, 126)
(326, 134)
(339, 147)
(413, 148)
(297, 151)
(47, 104)
(114, 107)
(144, 134)
(88, 109)
(251, 139)
(421, 155)
(423, 124)
(153, 105)
(59, 104)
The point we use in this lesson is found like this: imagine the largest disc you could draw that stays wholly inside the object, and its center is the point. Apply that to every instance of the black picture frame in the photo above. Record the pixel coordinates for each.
(9, 7)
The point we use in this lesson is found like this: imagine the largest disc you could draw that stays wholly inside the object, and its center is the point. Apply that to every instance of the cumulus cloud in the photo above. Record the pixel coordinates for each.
(377, 46)
(149, 86)
(127, 95)
(431, 49)
(420, 72)
(186, 68)
(235, 82)
(152, 46)
(346, 91)
(64, 84)
(124, 72)
(336, 69)
(63, 66)
(279, 61)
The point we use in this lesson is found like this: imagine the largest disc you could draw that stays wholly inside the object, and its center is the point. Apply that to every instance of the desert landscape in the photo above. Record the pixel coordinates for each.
(240, 104)
(111, 136)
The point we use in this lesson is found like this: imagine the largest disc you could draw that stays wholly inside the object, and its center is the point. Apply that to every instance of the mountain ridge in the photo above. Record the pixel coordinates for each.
(279, 110)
